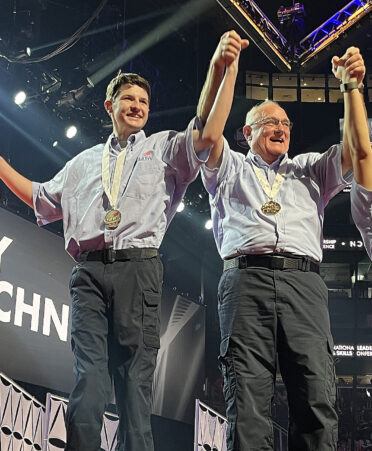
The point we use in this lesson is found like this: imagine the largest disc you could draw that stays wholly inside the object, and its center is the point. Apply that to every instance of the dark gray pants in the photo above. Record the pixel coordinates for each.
(264, 313)
(115, 338)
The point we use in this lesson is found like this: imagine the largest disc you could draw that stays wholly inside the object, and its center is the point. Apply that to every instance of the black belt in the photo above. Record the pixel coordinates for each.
(271, 261)
(112, 255)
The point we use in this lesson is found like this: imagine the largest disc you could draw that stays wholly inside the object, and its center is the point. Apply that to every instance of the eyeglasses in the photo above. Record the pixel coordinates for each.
(273, 122)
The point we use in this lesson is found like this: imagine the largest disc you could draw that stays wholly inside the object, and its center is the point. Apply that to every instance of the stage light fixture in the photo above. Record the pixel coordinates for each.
(181, 207)
(55, 144)
(20, 98)
(208, 225)
(71, 131)
(73, 98)
(28, 51)
(50, 82)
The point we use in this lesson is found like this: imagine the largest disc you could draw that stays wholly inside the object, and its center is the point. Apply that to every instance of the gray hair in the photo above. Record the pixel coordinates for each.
(252, 114)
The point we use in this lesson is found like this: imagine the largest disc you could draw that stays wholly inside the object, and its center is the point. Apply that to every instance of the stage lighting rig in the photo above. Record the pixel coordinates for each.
(290, 53)
(260, 29)
(74, 99)
(50, 82)
(330, 31)
(292, 21)
(290, 13)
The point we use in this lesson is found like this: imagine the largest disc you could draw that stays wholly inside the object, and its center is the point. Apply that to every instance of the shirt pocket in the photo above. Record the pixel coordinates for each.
(238, 191)
(305, 193)
(148, 178)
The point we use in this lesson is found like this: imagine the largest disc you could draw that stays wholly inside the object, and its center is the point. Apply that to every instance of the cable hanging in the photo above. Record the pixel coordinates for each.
(70, 42)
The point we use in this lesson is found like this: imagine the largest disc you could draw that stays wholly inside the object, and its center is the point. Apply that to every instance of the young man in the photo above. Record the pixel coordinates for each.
(267, 211)
(116, 202)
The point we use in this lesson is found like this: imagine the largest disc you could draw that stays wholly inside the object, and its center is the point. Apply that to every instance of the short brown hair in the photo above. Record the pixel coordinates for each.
(126, 78)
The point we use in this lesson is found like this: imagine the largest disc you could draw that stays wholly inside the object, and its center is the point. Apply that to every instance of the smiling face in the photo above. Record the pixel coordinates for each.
(129, 110)
(264, 137)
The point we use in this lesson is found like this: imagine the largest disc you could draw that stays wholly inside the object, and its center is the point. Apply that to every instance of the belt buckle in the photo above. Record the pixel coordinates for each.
(306, 264)
(277, 262)
(242, 262)
(109, 255)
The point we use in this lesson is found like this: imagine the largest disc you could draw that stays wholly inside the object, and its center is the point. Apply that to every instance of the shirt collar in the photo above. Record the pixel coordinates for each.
(258, 161)
(135, 138)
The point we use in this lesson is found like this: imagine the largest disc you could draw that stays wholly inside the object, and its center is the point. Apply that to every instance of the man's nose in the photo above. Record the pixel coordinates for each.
(135, 105)
(279, 127)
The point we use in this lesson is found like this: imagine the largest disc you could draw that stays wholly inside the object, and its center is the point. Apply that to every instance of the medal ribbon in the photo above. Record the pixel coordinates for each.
(112, 193)
(270, 191)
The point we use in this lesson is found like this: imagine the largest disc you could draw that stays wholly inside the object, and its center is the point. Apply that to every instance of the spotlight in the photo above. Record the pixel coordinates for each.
(90, 82)
(55, 144)
(20, 98)
(180, 207)
(208, 225)
(28, 51)
(368, 393)
(71, 131)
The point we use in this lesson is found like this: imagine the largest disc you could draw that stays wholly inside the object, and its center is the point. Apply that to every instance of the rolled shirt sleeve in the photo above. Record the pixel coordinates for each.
(212, 178)
(47, 198)
(326, 170)
(180, 155)
(361, 211)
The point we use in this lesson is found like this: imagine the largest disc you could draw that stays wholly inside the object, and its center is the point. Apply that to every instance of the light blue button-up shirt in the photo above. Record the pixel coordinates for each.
(156, 173)
(236, 198)
(361, 210)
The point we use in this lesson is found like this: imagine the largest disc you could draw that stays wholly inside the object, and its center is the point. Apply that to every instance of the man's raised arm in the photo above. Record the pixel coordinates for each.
(21, 186)
(350, 70)
(216, 96)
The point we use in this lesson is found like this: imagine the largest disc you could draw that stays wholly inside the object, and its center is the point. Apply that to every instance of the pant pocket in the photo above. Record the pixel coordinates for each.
(151, 322)
(226, 366)
(330, 374)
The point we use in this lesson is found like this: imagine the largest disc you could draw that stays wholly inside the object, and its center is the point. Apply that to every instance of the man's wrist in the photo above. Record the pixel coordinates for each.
(349, 86)
(218, 68)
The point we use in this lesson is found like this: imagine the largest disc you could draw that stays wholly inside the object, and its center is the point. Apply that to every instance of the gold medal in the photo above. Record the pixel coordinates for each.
(270, 208)
(112, 219)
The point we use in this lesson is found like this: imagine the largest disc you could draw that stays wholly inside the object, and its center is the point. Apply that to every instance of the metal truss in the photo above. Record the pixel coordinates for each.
(330, 30)
(273, 44)
(260, 29)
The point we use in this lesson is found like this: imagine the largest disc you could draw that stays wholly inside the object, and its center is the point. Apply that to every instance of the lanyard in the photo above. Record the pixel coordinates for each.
(112, 193)
(271, 191)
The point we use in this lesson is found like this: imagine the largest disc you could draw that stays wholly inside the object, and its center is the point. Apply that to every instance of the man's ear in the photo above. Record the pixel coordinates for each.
(108, 106)
(247, 131)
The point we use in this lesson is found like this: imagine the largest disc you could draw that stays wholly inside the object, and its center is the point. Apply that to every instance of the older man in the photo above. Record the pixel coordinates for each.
(267, 212)
(116, 201)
